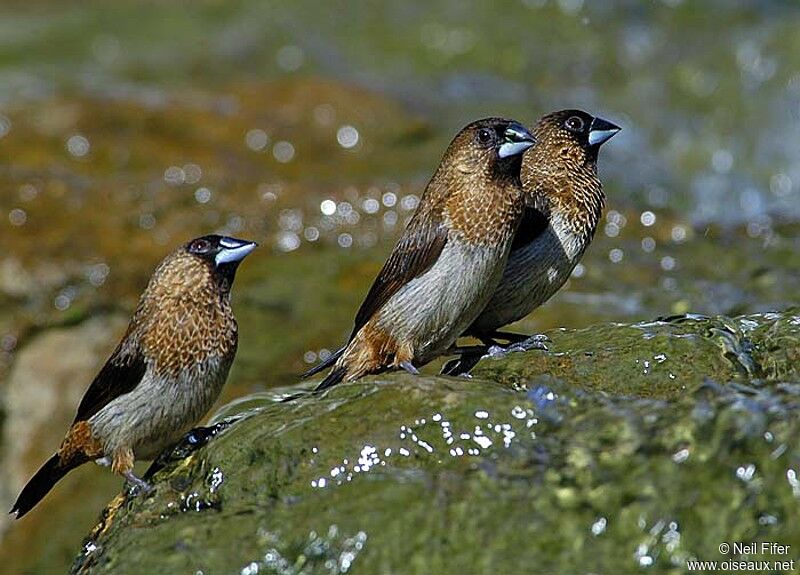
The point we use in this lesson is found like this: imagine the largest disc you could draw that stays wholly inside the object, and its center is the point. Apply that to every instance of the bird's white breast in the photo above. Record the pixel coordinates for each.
(441, 303)
(533, 274)
(160, 409)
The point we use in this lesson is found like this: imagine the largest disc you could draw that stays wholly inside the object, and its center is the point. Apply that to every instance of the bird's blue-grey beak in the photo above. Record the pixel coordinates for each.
(516, 140)
(233, 250)
(601, 131)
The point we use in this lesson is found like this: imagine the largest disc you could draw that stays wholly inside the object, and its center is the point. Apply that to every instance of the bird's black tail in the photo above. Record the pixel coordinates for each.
(323, 365)
(41, 483)
(335, 376)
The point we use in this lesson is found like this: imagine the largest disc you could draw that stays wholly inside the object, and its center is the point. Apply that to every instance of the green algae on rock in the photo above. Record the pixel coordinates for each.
(544, 458)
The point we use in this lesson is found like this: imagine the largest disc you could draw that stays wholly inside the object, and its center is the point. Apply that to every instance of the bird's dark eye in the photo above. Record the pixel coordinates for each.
(574, 124)
(484, 136)
(200, 246)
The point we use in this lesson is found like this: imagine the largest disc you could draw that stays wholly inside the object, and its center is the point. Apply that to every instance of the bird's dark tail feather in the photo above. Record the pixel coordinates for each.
(323, 365)
(335, 376)
(41, 483)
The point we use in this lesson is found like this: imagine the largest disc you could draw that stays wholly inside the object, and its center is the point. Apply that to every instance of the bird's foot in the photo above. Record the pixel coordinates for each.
(461, 366)
(409, 367)
(527, 344)
(538, 341)
(470, 356)
(137, 483)
(468, 349)
(193, 440)
(510, 337)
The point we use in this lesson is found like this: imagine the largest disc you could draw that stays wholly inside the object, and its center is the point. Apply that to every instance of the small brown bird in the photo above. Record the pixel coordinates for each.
(448, 261)
(564, 201)
(163, 376)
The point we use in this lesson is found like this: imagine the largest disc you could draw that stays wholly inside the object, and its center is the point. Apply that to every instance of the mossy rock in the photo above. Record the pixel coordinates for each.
(563, 460)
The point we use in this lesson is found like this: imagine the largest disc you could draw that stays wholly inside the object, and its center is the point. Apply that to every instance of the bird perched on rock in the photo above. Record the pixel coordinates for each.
(163, 376)
(448, 261)
(564, 202)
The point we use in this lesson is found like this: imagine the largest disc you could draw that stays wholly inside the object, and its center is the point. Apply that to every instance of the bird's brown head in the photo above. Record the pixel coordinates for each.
(220, 254)
(205, 263)
(573, 135)
(559, 173)
(492, 146)
(185, 311)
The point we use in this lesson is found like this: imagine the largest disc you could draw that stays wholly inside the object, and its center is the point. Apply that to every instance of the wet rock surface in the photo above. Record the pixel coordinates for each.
(621, 447)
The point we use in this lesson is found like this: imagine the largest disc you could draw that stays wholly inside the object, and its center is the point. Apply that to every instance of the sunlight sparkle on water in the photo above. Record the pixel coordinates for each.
(425, 437)
(347, 136)
(256, 139)
(283, 151)
(78, 146)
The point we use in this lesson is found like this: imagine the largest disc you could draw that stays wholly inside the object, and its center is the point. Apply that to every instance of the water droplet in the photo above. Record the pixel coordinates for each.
(389, 199)
(192, 173)
(97, 274)
(283, 151)
(147, 221)
(599, 526)
(678, 233)
(327, 207)
(780, 184)
(647, 218)
(5, 126)
(611, 230)
(390, 218)
(680, 456)
(746, 472)
(722, 161)
(78, 146)
(202, 195)
(347, 136)
(345, 240)
(288, 241)
(17, 217)
(62, 302)
(174, 176)
(256, 139)
(409, 202)
(290, 57)
(324, 114)
(371, 205)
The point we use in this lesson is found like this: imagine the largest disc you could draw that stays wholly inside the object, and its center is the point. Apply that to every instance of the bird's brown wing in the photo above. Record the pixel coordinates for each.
(415, 253)
(122, 372)
(533, 224)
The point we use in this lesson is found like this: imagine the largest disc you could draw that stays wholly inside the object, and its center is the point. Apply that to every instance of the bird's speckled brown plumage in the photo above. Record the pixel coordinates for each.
(165, 373)
(564, 200)
(449, 259)
(186, 317)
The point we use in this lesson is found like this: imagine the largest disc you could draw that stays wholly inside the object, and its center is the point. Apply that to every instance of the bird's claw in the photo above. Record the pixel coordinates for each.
(461, 365)
(469, 357)
(495, 351)
(138, 483)
(538, 341)
(409, 367)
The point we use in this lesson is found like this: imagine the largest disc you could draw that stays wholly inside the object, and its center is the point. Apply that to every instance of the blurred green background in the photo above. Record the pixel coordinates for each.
(127, 128)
